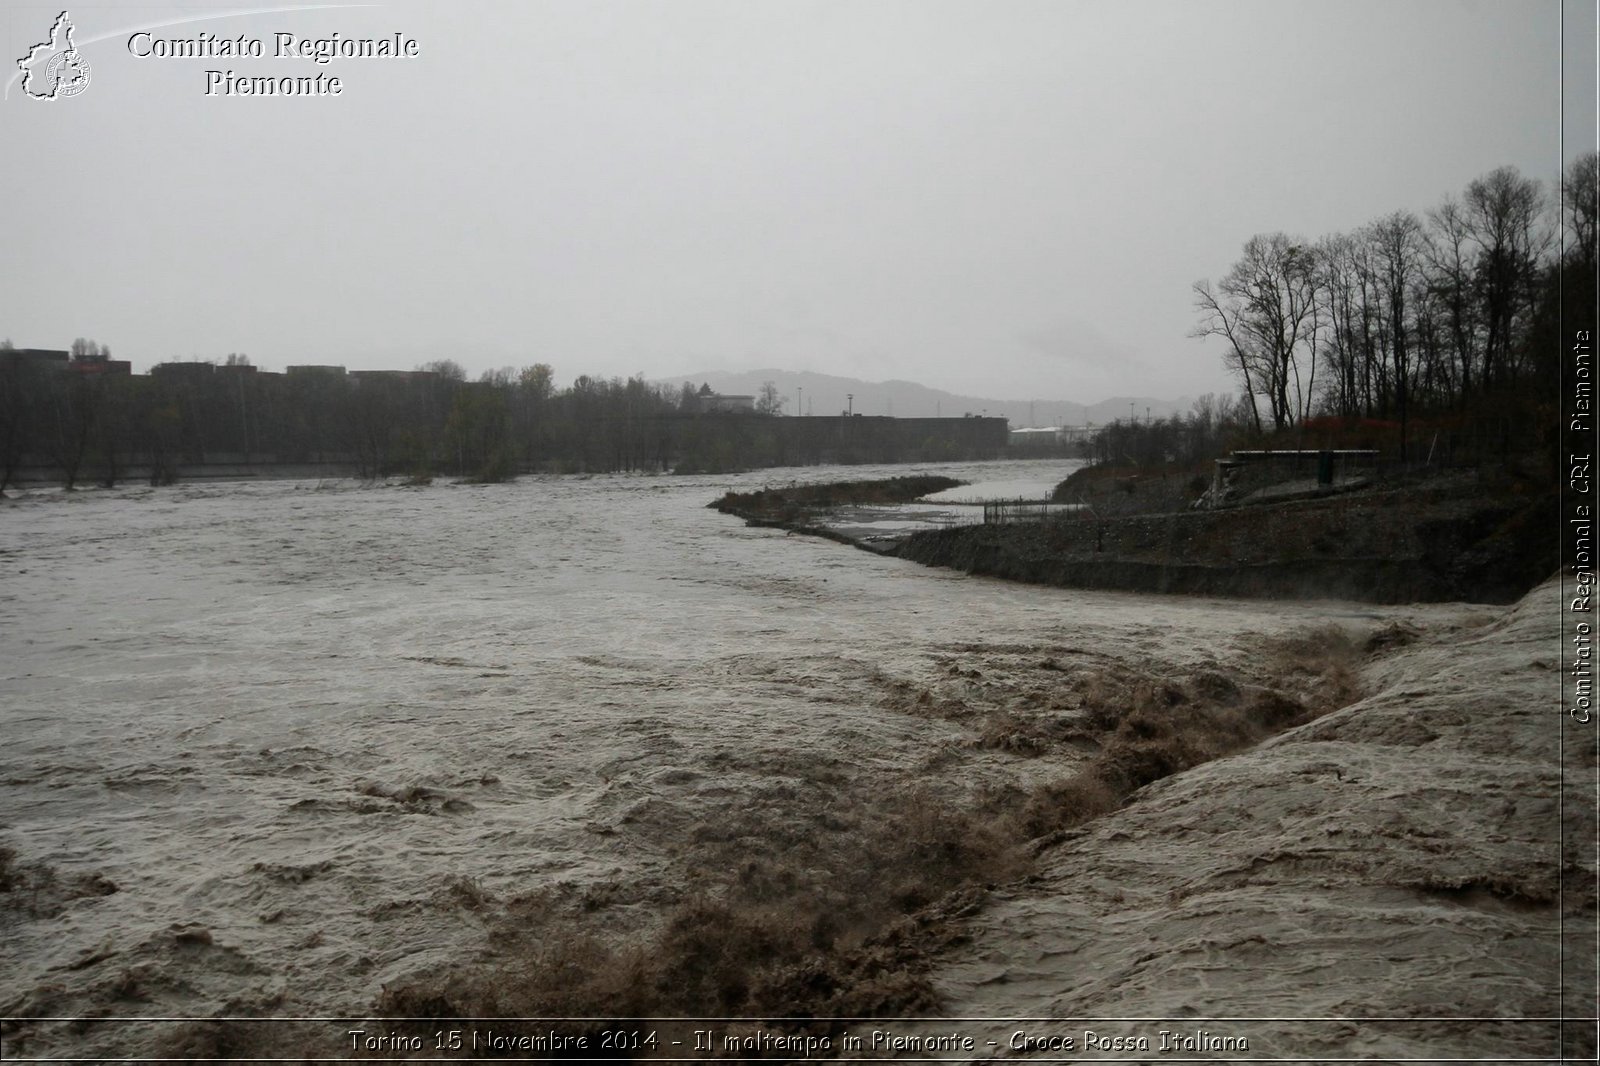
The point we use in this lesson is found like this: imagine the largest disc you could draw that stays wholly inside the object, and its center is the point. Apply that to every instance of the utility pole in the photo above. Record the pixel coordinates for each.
(850, 403)
(800, 401)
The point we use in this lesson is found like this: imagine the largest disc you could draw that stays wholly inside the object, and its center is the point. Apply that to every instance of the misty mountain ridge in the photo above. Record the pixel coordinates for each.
(828, 394)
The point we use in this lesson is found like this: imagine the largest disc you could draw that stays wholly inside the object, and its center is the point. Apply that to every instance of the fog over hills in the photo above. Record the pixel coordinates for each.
(826, 394)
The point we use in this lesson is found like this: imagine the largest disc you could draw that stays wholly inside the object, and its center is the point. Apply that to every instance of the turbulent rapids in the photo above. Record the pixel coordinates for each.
(288, 749)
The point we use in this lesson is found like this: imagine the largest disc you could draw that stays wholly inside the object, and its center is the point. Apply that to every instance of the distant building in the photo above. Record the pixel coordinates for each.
(374, 377)
(312, 368)
(728, 404)
(704, 401)
(48, 358)
(99, 366)
(1033, 438)
(183, 371)
(1049, 436)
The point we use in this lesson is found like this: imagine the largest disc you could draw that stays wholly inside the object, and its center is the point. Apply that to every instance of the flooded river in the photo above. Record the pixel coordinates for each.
(286, 719)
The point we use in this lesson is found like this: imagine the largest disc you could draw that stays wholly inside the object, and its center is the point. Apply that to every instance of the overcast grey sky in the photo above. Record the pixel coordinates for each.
(1007, 198)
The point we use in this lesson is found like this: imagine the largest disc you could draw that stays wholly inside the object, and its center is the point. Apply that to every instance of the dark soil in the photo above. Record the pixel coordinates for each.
(1464, 540)
(1480, 538)
(795, 500)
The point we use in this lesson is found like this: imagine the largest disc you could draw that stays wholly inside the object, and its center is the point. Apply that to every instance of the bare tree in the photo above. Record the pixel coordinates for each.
(1502, 212)
(448, 369)
(538, 381)
(769, 402)
(1265, 307)
(1220, 318)
(74, 403)
(1396, 243)
(1451, 278)
(1580, 196)
(1339, 294)
(21, 397)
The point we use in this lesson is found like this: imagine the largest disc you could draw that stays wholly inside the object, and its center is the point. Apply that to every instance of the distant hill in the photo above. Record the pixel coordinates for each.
(825, 394)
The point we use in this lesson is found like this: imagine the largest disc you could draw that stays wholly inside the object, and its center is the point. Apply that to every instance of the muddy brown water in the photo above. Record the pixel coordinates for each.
(299, 716)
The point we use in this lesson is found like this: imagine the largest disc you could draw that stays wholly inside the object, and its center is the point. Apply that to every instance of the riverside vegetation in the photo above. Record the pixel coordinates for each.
(76, 423)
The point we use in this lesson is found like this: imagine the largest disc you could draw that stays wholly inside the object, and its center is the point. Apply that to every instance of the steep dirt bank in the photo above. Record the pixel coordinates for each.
(1407, 857)
(1454, 542)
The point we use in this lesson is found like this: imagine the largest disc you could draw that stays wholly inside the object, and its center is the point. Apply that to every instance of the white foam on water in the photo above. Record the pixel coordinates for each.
(289, 712)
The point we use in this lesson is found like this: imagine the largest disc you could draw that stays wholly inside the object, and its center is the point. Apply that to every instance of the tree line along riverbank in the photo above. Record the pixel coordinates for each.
(86, 419)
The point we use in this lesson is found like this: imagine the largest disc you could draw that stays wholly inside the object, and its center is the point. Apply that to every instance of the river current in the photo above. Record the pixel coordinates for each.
(293, 715)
